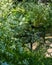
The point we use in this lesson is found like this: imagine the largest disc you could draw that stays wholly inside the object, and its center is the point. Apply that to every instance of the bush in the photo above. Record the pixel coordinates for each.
(16, 30)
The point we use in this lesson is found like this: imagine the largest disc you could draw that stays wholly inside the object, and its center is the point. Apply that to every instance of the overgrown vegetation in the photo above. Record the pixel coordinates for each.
(20, 24)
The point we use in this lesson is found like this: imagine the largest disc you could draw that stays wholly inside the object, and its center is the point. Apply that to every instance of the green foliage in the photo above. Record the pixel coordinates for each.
(16, 30)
